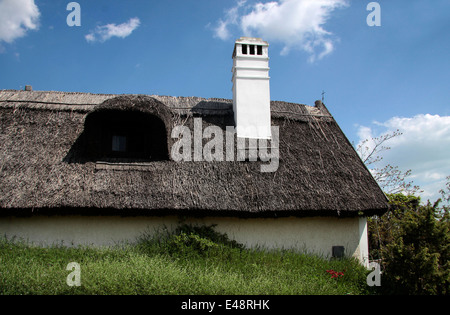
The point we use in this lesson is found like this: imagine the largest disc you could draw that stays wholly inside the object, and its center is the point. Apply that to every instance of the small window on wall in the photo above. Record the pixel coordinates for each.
(119, 143)
(338, 251)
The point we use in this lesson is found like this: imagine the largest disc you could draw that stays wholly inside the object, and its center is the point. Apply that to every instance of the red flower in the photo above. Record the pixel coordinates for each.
(335, 274)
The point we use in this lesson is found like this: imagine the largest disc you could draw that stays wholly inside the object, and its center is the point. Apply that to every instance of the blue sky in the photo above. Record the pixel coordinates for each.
(376, 79)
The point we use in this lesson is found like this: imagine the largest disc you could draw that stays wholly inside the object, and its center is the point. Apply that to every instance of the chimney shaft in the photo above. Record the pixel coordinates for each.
(28, 88)
(251, 88)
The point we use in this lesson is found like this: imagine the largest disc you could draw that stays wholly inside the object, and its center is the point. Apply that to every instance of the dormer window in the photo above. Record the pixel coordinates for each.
(125, 136)
(119, 143)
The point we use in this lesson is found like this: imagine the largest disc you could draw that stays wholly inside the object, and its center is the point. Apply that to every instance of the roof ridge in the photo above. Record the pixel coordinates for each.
(136, 94)
(85, 101)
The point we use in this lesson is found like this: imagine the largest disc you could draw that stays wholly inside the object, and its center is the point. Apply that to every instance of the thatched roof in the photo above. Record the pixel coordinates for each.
(44, 167)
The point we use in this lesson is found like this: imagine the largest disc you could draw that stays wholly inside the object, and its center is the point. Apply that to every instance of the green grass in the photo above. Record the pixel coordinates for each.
(198, 262)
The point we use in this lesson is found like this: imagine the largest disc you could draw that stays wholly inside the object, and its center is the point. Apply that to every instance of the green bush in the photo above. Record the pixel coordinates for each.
(207, 232)
(417, 262)
(413, 242)
(190, 244)
(381, 228)
(190, 241)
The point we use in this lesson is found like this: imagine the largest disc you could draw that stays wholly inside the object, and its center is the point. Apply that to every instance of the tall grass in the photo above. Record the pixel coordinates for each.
(189, 261)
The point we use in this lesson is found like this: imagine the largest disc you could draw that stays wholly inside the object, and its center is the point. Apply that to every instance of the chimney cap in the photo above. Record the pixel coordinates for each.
(251, 41)
(28, 88)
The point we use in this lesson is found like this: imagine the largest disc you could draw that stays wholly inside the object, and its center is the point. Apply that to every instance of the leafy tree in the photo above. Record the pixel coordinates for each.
(411, 240)
(381, 228)
(445, 193)
(416, 252)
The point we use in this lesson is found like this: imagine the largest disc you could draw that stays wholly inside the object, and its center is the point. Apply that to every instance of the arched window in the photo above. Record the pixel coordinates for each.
(116, 135)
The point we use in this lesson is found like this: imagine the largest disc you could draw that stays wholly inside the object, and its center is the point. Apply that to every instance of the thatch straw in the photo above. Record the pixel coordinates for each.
(43, 166)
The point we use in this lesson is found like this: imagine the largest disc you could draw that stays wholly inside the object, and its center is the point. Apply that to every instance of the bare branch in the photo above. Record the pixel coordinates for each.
(369, 148)
(390, 178)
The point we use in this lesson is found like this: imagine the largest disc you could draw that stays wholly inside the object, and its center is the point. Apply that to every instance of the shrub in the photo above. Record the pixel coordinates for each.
(190, 244)
(207, 232)
(413, 242)
(381, 228)
(190, 240)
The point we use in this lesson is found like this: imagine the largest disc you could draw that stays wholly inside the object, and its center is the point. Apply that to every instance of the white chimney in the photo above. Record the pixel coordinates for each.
(251, 88)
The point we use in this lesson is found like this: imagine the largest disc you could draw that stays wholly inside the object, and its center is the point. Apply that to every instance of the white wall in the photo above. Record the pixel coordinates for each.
(314, 235)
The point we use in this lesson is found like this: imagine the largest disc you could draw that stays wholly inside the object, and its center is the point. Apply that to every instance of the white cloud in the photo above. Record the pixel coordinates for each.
(16, 18)
(105, 32)
(297, 24)
(221, 30)
(231, 18)
(423, 147)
